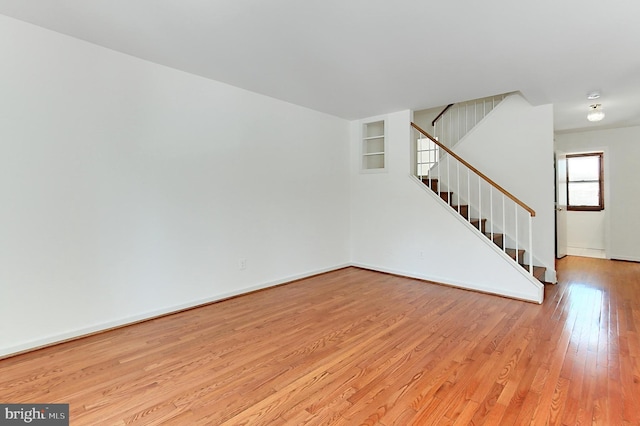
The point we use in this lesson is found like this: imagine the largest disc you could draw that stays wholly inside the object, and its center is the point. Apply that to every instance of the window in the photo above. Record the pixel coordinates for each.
(585, 182)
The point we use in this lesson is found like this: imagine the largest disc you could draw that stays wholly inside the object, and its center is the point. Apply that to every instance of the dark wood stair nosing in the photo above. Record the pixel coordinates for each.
(447, 196)
(431, 183)
(462, 209)
(480, 224)
(511, 252)
(539, 272)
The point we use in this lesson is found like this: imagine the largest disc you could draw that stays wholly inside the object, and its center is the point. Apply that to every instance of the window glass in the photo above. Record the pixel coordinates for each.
(584, 168)
(584, 182)
(584, 193)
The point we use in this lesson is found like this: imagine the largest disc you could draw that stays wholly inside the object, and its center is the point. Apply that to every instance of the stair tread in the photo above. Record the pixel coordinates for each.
(498, 239)
(447, 196)
(512, 253)
(512, 250)
(538, 271)
(535, 268)
(431, 183)
(481, 224)
(463, 209)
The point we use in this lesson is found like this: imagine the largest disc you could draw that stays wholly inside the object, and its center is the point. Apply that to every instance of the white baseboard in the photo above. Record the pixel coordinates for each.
(625, 258)
(121, 322)
(466, 286)
(105, 326)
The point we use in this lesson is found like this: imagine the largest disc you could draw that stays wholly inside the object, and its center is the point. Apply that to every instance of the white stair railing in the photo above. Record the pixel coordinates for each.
(494, 211)
(456, 120)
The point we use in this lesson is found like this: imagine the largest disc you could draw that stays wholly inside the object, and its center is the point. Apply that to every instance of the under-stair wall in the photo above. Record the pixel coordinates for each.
(399, 226)
(514, 147)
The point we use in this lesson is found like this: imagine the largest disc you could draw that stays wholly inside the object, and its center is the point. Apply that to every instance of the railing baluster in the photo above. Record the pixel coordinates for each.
(504, 225)
(458, 182)
(469, 194)
(418, 168)
(455, 139)
(450, 136)
(530, 246)
(515, 208)
(491, 209)
(475, 113)
(435, 129)
(466, 121)
(479, 204)
(439, 180)
(448, 182)
(458, 126)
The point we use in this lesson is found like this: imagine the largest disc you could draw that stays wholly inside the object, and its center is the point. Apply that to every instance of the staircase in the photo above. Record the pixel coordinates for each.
(493, 211)
(498, 239)
(456, 120)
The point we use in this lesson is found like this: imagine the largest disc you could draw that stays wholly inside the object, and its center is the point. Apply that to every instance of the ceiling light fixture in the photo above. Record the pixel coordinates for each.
(593, 95)
(595, 112)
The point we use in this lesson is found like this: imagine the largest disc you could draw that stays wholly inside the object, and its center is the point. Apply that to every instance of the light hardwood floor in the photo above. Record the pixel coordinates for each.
(357, 347)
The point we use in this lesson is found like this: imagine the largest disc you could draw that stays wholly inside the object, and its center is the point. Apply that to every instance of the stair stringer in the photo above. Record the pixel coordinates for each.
(507, 261)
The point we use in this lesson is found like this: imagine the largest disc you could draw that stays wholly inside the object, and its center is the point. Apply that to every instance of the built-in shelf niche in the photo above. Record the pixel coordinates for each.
(373, 146)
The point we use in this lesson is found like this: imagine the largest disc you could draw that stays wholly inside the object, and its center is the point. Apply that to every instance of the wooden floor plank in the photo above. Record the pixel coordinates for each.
(360, 347)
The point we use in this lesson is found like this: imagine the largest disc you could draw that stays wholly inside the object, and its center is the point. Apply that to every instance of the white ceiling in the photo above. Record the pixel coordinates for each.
(359, 58)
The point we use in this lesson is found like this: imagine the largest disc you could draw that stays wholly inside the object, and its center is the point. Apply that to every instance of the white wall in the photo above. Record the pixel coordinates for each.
(425, 117)
(130, 189)
(622, 191)
(399, 226)
(586, 229)
(513, 146)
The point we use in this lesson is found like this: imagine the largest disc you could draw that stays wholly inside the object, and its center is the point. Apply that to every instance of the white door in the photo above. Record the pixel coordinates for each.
(561, 204)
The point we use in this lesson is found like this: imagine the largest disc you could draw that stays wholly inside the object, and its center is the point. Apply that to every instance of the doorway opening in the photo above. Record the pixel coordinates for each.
(580, 184)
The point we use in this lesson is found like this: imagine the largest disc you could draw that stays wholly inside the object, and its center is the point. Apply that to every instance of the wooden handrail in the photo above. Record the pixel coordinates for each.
(433, 123)
(476, 171)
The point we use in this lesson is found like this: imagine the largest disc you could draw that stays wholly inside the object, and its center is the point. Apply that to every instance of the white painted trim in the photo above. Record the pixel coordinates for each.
(122, 322)
(625, 258)
(450, 283)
